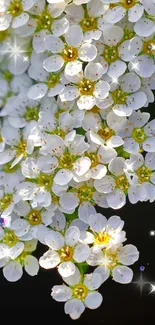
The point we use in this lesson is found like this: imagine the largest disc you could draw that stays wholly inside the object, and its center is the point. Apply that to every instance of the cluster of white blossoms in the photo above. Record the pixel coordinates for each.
(74, 75)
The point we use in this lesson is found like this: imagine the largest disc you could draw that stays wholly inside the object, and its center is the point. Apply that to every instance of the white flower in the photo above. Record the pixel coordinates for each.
(10, 86)
(127, 95)
(143, 50)
(90, 20)
(38, 188)
(10, 177)
(102, 135)
(140, 173)
(64, 251)
(11, 243)
(69, 156)
(114, 185)
(106, 233)
(47, 83)
(19, 142)
(15, 12)
(13, 269)
(113, 51)
(20, 111)
(79, 294)
(33, 219)
(114, 262)
(134, 9)
(8, 197)
(58, 118)
(138, 134)
(69, 53)
(88, 87)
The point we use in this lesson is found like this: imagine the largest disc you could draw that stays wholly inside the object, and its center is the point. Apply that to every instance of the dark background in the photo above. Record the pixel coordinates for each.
(122, 304)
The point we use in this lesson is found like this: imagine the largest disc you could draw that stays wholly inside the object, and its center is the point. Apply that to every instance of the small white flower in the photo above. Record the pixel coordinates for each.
(143, 50)
(90, 19)
(13, 269)
(64, 251)
(79, 294)
(114, 185)
(127, 95)
(138, 134)
(140, 173)
(114, 262)
(88, 87)
(69, 53)
(106, 233)
(19, 142)
(15, 13)
(134, 9)
(33, 219)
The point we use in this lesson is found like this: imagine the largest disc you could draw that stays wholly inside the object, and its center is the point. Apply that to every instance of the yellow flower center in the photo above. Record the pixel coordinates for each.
(80, 291)
(139, 135)
(15, 8)
(45, 180)
(69, 54)
(128, 34)
(59, 132)
(55, 199)
(85, 193)
(86, 87)
(111, 259)
(3, 35)
(111, 53)
(144, 174)
(10, 239)
(93, 157)
(66, 160)
(119, 96)
(34, 217)
(53, 79)
(21, 148)
(149, 47)
(105, 133)
(44, 20)
(102, 238)
(32, 113)
(66, 253)
(88, 24)
(128, 3)
(122, 182)
(5, 201)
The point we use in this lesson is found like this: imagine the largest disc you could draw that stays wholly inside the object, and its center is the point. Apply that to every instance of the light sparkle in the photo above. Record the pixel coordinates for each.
(134, 66)
(153, 288)
(141, 283)
(152, 232)
(15, 50)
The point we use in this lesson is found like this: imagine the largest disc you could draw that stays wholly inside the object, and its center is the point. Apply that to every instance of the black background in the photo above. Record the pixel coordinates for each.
(122, 304)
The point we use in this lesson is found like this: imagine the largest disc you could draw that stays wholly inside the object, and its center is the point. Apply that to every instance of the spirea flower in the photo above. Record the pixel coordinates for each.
(74, 76)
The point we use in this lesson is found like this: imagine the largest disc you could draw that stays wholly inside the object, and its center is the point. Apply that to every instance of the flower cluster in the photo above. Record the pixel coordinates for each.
(73, 78)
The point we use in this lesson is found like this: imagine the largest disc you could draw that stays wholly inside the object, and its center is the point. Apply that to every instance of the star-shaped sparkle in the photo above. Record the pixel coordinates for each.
(15, 50)
(153, 288)
(140, 283)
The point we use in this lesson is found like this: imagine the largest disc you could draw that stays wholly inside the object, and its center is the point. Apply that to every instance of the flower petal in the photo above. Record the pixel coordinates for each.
(122, 274)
